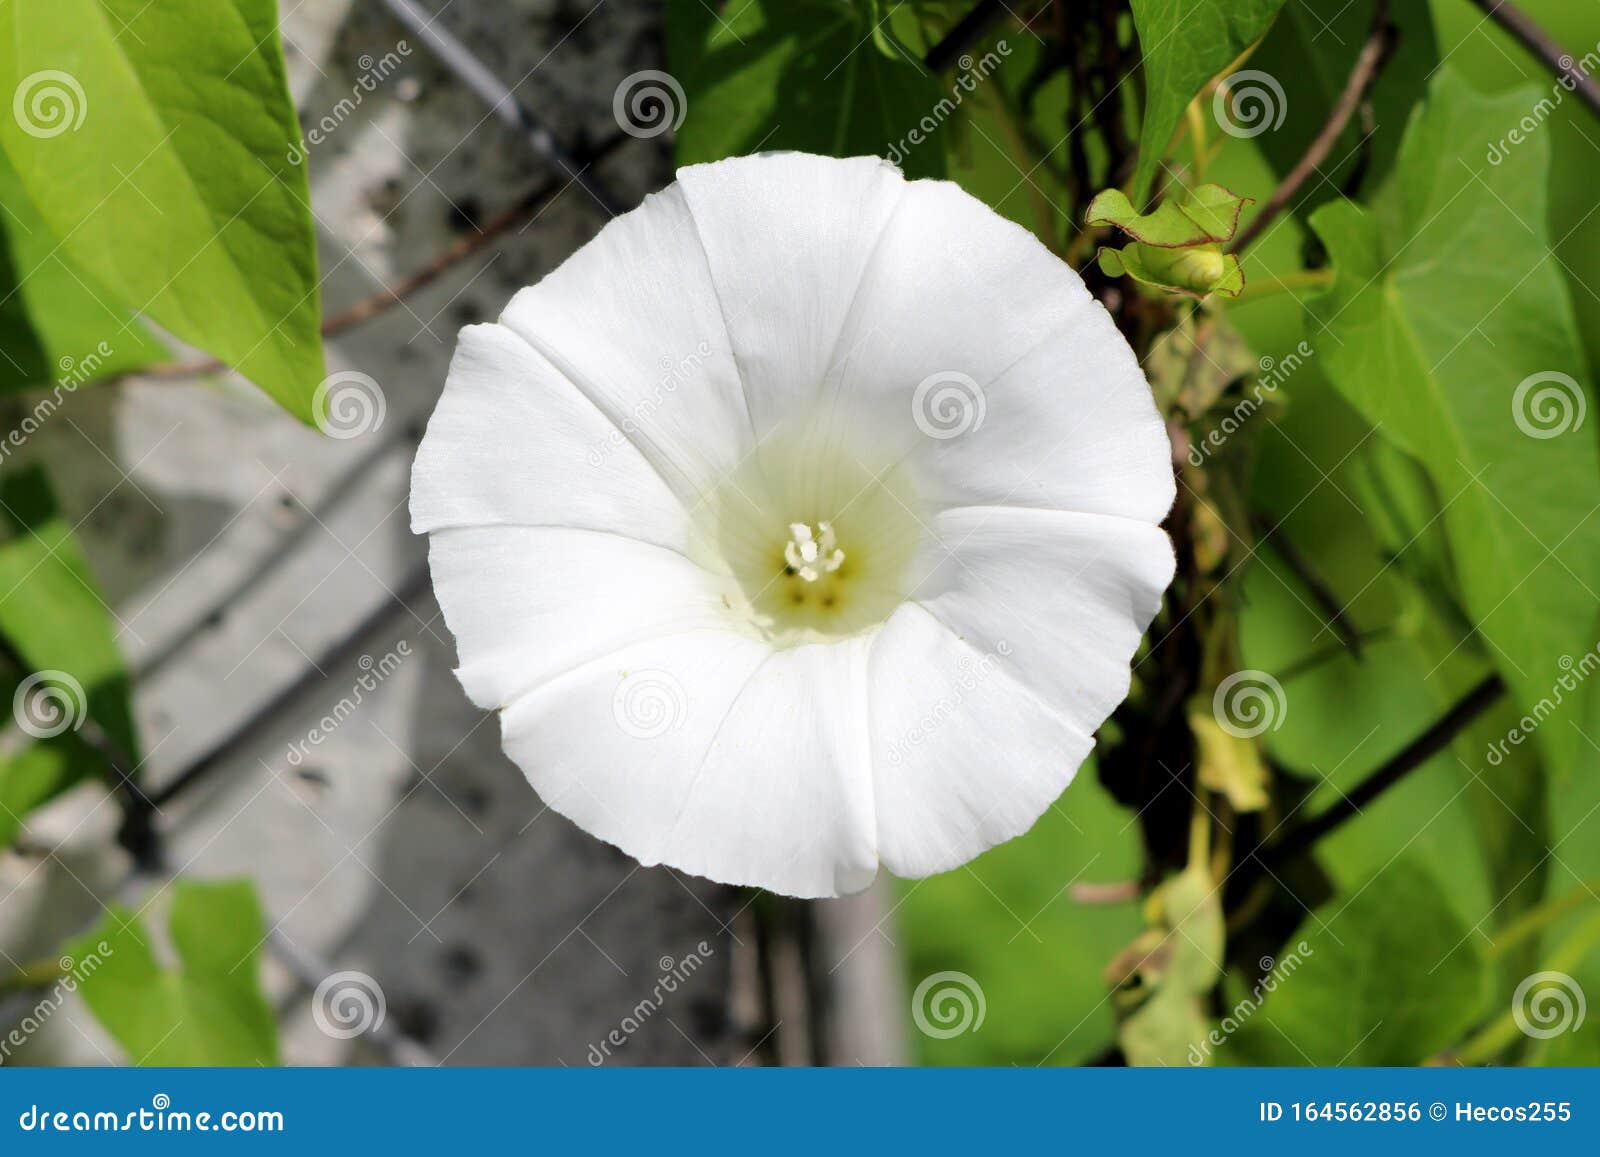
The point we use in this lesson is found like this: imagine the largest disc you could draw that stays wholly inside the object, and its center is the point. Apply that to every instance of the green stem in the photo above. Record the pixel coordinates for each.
(1501, 1033)
(1541, 917)
(40, 974)
(1288, 282)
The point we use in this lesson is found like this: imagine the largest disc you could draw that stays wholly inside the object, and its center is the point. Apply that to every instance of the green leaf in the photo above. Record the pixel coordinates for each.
(1018, 922)
(155, 141)
(801, 74)
(1185, 43)
(56, 325)
(54, 621)
(1386, 974)
(1444, 325)
(1310, 52)
(207, 1011)
(1207, 214)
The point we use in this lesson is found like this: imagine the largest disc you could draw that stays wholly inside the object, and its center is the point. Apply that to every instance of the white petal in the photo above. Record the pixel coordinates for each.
(963, 756)
(512, 442)
(713, 754)
(1043, 402)
(986, 691)
(1071, 426)
(788, 236)
(633, 320)
(528, 603)
(1067, 595)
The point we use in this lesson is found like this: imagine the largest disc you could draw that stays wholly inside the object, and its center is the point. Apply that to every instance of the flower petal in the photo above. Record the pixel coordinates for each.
(987, 689)
(963, 756)
(1068, 595)
(788, 236)
(529, 603)
(633, 320)
(714, 754)
(979, 352)
(512, 442)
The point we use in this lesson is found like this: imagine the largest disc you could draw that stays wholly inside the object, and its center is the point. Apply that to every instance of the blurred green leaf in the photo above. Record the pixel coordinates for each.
(1169, 1026)
(209, 1010)
(1447, 325)
(55, 324)
(801, 74)
(1310, 51)
(1185, 43)
(1384, 974)
(1017, 922)
(155, 142)
(59, 629)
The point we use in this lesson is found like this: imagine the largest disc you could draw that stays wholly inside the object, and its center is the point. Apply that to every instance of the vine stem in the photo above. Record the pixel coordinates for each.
(1537, 41)
(1368, 61)
(1421, 749)
(1502, 1032)
(1537, 919)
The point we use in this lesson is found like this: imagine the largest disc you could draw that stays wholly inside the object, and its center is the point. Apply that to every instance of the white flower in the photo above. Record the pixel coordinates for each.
(696, 480)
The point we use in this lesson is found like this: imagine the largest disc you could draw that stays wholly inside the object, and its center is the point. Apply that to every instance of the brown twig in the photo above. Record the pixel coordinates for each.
(1362, 75)
(1537, 41)
(447, 259)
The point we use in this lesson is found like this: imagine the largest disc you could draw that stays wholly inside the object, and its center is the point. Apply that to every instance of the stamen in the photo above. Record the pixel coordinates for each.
(812, 555)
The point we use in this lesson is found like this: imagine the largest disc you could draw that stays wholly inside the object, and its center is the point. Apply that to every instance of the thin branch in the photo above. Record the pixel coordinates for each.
(1362, 75)
(386, 299)
(1416, 753)
(1537, 41)
(1321, 593)
(968, 31)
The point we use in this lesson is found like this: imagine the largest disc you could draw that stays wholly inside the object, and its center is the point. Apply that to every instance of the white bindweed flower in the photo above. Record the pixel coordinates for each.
(804, 520)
